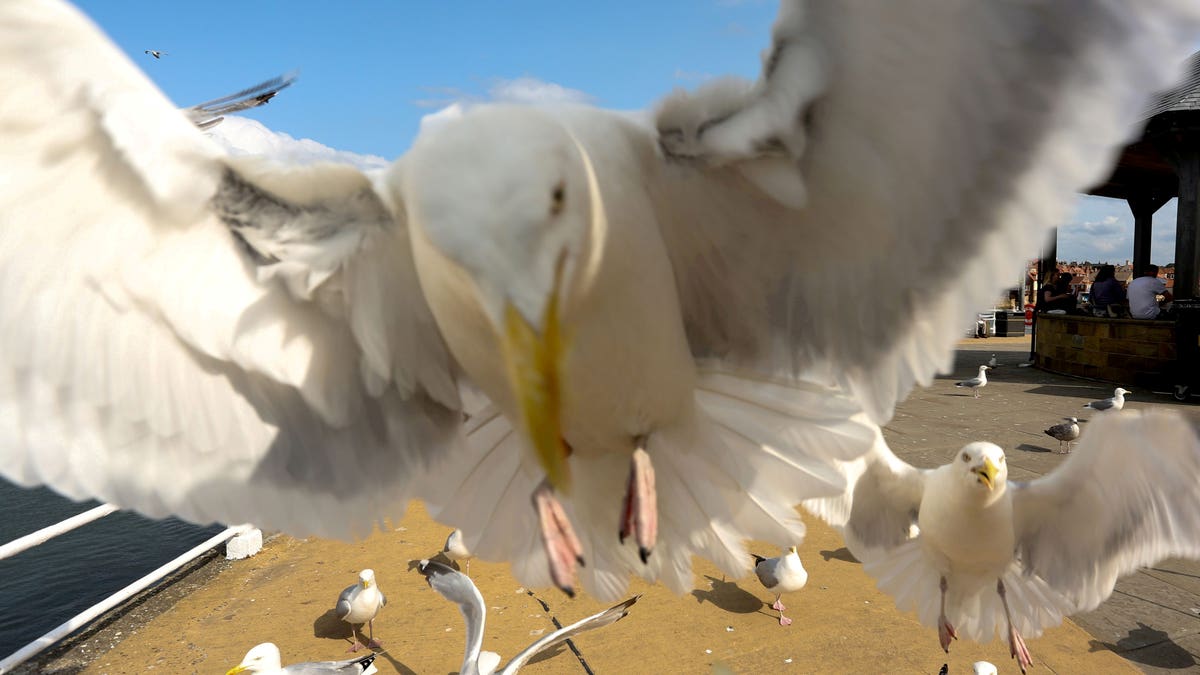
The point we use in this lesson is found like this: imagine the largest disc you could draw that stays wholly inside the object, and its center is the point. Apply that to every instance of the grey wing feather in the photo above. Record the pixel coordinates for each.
(210, 113)
(347, 667)
(599, 620)
(346, 600)
(1125, 498)
(765, 571)
(973, 382)
(1106, 404)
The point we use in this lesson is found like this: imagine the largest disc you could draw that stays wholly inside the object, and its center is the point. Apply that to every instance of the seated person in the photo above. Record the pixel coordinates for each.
(1059, 296)
(1143, 303)
(1106, 291)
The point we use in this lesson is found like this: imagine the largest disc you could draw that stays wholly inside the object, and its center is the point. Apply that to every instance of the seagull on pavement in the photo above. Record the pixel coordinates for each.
(264, 659)
(653, 304)
(779, 575)
(359, 604)
(1116, 402)
(459, 589)
(1064, 433)
(976, 383)
(456, 550)
(998, 555)
(992, 361)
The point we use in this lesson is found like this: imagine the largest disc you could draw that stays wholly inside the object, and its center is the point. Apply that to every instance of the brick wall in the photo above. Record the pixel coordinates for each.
(1121, 351)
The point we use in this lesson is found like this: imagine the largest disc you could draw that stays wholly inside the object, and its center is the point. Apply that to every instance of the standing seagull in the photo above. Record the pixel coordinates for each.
(1117, 401)
(459, 589)
(275, 328)
(780, 575)
(156, 53)
(456, 550)
(264, 659)
(993, 555)
(992, 361)
(1067, 432)
(976, 383)
(359, 604)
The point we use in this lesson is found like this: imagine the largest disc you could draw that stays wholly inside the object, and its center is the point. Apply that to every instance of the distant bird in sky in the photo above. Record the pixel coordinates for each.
(1116, 402)
(156, 53)
(779, 575)
(975, 383)
(264, 659)
(1066, 432)
(456, 550)
(994, 555)
(459, 589)
(359, 604)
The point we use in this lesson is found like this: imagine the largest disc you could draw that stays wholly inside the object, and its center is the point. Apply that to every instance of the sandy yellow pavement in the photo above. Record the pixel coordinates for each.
(286, 592)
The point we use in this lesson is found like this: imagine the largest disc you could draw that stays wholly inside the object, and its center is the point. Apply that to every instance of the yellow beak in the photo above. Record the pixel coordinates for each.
(987, 473)
(235, 670)
(534, 360)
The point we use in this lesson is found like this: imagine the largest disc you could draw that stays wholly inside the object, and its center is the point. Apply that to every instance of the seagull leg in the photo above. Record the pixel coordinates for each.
(945, 630)
(778, 606)
(372, 642)
(563, 549)
(639, 516)
(976, 393)
(354, 635)
(1016, 645)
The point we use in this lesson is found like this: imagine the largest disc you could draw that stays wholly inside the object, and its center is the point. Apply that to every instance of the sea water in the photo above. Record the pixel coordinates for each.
(44, 586)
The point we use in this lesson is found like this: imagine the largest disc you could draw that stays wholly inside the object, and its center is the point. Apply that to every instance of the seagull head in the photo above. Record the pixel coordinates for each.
(1121, 392)
(262, 658)
(984, 467)
(507, 197)
(366, 578)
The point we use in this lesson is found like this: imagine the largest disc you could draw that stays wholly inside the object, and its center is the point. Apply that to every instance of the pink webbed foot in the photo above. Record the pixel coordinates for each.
(354, 647)
(563, 550)
(778, 606)
(946, 633)
(783, 620)
(1018, 650)
(639, 516)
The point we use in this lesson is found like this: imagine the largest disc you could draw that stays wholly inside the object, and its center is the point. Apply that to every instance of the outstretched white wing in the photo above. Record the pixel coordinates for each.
(183, 334)
(892, 169)
(1125, 498)
(599, 620)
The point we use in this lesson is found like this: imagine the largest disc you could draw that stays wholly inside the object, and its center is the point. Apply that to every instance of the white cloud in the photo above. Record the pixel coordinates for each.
(1101, 230)
(453, 102)
(533, 90)
(244, 136)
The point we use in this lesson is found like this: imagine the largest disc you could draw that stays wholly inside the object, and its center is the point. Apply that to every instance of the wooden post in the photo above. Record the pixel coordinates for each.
(1187, 255)
(1143, 205)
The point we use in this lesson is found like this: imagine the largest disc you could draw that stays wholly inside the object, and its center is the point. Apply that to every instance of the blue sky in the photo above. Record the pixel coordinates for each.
(369, 71)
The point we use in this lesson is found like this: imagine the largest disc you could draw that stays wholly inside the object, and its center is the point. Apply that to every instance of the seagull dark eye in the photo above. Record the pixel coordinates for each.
(557, 198)
(966, 457)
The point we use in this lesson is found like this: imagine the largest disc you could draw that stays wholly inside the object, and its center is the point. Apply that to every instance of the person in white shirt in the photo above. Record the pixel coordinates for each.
(1143, 292)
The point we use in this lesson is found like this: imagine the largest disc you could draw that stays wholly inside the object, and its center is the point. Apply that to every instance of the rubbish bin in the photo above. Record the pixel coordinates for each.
(1010, 324)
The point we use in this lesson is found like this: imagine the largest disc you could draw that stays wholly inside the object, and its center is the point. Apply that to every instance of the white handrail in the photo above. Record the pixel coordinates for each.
(47, 533)
(83, 618)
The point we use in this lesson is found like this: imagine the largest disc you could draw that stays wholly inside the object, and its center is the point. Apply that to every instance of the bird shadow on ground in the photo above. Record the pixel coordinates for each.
(328, 625)
(1030, 447)
(728, 596)
(1150, 647)
(842, 553)
(400, 667)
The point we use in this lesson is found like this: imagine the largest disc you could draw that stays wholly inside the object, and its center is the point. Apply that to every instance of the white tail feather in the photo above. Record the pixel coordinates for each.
(734, 470)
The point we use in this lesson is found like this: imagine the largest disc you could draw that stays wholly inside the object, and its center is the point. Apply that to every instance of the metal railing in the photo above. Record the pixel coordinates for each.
(90, 614)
